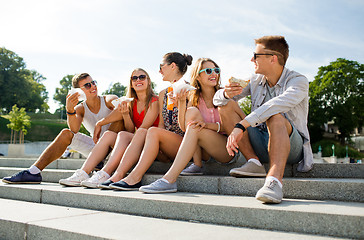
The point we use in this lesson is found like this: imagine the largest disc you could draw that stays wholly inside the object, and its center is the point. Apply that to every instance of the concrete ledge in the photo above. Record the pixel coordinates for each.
(299, 188)
(69, 163)
(340, 219)
(42, 221)
(320, 170)
(332, 170)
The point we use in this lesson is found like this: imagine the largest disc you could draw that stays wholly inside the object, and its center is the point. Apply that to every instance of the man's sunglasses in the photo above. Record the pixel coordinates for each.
(262, 54)
(210, 70)
(88, 85)
(141, 77)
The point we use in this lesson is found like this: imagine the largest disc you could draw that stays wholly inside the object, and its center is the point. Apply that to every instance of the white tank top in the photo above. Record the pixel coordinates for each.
(90, 119)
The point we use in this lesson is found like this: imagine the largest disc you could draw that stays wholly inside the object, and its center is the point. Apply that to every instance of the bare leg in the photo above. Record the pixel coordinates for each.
(197, 157)
(55, 149)
(131, 155)
(121, 144)
(211, 142)
(100, 151)
(279, 145)
(231, 114)
(157, 138)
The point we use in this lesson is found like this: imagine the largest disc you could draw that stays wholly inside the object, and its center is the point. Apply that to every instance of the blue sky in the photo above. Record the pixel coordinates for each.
(110, 38)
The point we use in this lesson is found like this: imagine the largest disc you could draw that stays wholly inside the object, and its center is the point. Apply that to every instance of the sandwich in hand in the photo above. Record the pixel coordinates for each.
(242, 83)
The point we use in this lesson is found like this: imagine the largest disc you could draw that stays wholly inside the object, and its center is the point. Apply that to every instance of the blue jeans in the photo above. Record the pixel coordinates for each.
(259, 140)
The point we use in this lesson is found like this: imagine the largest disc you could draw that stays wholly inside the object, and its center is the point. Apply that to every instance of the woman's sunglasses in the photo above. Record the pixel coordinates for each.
(210, 70)
(141, 77)
(87, 86)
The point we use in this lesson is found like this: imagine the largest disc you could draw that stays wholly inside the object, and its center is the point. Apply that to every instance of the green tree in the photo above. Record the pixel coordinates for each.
(19, 85)
(19, 120)
(117, 88)
(337, 94)
(61, 93)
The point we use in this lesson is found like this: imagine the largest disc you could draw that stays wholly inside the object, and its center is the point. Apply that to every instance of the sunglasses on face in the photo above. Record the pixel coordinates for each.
(210, 70)
(161, 65)
(88, 85)
(141, 77)
(261, 54)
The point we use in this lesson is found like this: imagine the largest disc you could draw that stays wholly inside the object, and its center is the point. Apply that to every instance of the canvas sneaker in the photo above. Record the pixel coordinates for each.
(249, 169)
(96, 179)
(271, 192)
(121, 185)
(76, 179)
(23, 177)
(159, 186)
(192, 170)
(105, 185)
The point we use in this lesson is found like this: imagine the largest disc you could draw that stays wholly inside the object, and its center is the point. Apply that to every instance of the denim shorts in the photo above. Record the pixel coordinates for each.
(259, 140)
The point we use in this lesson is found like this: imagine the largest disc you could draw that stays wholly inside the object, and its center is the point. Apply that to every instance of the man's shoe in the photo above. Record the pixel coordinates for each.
(105, 185)
(76, 179)
(192, 170)
(96, 179)
(249, 169)
(23, 177)
(159, 186)
(121, 185)
(271, 192)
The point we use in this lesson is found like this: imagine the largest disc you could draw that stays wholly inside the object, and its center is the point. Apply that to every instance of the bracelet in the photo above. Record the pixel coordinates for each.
(239, 125)
(218, 127)
(68, 113)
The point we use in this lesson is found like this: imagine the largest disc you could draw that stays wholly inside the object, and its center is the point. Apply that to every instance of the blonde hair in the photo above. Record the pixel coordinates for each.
(132, 93)
(194, 95)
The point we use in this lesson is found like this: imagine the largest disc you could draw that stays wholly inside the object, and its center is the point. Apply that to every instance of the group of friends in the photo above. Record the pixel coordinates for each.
(187, 125)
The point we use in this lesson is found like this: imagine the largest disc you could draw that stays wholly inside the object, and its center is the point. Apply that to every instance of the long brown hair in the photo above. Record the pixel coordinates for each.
(132, 93)
(194, 95)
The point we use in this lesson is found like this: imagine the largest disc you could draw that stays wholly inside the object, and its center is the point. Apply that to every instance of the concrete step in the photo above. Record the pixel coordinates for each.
(43, 221)
(69, 163)
(320, 170)
(329, 218)
(48, 175)
(299, 188)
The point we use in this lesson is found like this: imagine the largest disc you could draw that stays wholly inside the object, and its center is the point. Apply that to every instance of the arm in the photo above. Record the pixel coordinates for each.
(181, 103)
(109, 99)
(161, 120)
(126, 115)
(296, 90)
(74, 121)
(114, 116)
(151, 115)
(231, 91)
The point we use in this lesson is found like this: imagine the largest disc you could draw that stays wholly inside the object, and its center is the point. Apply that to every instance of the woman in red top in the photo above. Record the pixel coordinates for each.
(141, 113)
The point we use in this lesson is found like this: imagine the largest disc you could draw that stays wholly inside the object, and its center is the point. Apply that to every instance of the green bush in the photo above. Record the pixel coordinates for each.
(340, 151)
(44, 128)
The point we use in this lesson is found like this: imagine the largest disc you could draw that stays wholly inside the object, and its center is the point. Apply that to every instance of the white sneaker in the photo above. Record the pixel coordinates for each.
(76, 179)
(96, 179)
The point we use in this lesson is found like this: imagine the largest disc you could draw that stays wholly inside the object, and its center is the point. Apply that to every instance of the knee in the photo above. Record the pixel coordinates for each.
(66, 134)
(121, 134)
(227, 109)
(108, 135)
(276, 121)
(153, 132)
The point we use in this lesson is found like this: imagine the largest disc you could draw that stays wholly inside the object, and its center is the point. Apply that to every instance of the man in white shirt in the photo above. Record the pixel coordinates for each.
(276, 130)
(88, 112)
